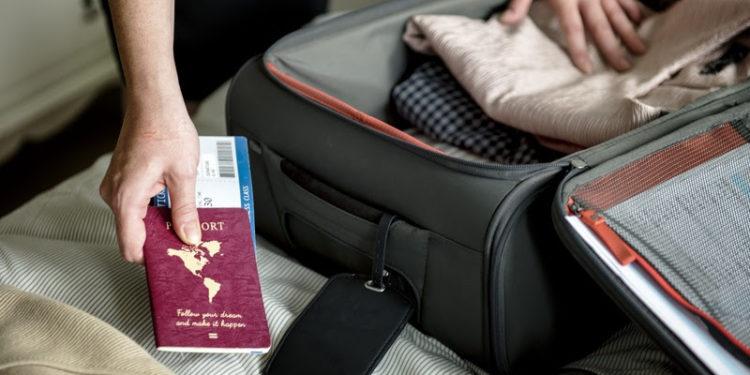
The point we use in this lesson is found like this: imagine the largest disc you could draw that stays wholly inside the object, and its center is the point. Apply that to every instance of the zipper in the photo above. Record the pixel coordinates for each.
(485, 165)
(620, 249)
(576, 167)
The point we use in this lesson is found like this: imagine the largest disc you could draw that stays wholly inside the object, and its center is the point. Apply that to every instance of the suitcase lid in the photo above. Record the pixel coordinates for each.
(658, 226)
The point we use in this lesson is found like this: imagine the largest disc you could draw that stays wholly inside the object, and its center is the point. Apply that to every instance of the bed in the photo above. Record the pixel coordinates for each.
(62, 246)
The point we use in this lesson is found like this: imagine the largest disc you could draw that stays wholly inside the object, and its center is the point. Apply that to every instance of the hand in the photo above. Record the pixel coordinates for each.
(157, 147)
(610, 23)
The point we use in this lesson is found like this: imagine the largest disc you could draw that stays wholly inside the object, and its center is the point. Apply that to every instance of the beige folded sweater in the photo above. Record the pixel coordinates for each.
(41, 336)
(522, 76)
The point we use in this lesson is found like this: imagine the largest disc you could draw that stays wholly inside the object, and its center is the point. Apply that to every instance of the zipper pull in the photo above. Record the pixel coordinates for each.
(573, 207)
(614, 243)
(578, 163)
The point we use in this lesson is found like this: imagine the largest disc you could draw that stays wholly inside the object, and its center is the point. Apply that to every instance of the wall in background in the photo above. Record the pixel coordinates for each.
(55, 57)
(48, 48)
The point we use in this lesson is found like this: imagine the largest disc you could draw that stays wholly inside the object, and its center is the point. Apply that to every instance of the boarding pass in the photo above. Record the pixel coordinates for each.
(223, 178)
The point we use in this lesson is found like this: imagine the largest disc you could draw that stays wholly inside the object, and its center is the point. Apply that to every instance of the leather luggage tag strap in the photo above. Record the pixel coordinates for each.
(349, 325)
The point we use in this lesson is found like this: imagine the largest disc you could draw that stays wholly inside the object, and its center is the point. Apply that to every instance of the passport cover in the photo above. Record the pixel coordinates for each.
(205, 298)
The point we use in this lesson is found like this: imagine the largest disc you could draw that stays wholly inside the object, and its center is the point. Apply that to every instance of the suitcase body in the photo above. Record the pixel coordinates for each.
(476, 243)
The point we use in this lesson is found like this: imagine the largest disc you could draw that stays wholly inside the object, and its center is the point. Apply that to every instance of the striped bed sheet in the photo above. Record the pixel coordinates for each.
(62, 245)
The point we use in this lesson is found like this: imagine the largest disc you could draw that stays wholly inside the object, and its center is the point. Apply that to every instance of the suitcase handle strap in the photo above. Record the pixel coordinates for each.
(376, 282)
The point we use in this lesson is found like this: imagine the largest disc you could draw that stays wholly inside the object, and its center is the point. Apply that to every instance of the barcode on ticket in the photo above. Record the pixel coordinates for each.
(225, 158)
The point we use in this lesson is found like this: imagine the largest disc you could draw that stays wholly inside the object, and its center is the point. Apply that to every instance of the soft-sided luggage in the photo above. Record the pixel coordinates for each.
(475, 243)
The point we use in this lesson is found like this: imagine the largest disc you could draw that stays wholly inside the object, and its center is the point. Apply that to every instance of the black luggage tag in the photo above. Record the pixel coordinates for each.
(348, 326)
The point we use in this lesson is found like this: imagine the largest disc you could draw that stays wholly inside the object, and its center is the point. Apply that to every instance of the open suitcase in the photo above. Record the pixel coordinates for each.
(480, 246)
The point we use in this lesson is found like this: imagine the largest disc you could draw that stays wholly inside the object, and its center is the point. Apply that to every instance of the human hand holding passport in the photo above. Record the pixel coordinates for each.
(206, 297)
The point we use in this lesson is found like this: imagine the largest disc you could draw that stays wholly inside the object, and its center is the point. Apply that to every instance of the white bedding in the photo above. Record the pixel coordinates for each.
(62, 245)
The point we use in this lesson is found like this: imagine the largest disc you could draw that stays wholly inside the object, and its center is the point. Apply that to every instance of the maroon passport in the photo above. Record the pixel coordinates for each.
(205, 298)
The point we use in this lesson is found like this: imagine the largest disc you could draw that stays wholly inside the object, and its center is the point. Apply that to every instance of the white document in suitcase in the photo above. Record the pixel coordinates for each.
(685, 325)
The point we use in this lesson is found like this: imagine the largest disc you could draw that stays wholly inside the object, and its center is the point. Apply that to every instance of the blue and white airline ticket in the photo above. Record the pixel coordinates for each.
(223, 179)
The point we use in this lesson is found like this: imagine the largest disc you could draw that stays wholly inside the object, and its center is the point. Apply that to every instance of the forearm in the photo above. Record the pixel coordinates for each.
(145, 32)
(158, 145)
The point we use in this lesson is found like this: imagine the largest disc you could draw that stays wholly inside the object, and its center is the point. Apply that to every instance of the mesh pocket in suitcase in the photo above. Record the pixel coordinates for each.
(681, 213)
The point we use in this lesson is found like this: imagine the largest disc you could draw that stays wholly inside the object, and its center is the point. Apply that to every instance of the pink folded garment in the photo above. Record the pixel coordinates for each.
(522, 76)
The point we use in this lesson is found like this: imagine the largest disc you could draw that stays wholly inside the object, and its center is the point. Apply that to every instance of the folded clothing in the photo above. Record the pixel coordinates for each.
(42, 336)
(522, 76)
(433, 101)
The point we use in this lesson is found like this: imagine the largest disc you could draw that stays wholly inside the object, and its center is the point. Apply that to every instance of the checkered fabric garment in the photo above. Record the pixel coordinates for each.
(434, 102)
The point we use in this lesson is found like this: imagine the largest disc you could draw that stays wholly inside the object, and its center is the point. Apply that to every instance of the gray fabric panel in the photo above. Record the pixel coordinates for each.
(62, 245)
(693, 230)
(358, 58)
(629, 351)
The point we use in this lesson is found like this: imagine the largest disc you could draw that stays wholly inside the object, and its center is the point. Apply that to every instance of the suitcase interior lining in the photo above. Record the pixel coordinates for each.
(343, 108)
(617, 199)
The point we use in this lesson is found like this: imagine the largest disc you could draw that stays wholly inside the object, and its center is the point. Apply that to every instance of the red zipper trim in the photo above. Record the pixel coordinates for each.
(654, 169)
(619, 248)
(667, 287)
(341, 107)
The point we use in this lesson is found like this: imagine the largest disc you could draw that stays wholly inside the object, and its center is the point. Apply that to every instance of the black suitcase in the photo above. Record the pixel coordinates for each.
(476, 243)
